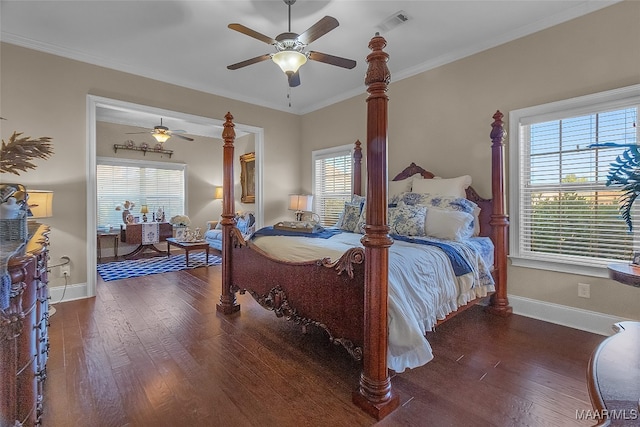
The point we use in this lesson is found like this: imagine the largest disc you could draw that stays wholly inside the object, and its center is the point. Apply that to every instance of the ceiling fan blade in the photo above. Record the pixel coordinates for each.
(294, 79)
(332, 60)
(183, 137)
(318, 29)
(251, 33)
(249, 61)
(136, 133)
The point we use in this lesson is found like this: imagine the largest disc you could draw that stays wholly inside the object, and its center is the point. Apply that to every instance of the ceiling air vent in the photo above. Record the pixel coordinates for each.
(393, 21)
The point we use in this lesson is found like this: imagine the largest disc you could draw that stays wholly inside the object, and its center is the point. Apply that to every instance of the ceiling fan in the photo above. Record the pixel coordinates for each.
(162, 133)
(290, 55)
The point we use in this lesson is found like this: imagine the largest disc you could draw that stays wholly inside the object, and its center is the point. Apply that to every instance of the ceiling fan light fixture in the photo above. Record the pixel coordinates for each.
(289, 60)
(161, 137)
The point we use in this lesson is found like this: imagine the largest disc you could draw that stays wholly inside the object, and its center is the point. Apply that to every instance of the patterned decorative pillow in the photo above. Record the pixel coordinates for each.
(435, 201)
(358, 200)
(407, 220)
(350, 218)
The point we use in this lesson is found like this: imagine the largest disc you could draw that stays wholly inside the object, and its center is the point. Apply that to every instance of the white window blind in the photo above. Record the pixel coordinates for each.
(155, 184)
(565, 211)
(333, 177)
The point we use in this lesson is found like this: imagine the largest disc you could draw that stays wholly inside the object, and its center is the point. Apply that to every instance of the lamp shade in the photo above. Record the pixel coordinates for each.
(289, 60)
(144, 209)
(217, 193)
(300, 202)
(40, 203)
(161, 136)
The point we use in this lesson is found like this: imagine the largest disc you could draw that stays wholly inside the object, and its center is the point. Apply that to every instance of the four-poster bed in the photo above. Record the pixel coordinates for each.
(348, 296)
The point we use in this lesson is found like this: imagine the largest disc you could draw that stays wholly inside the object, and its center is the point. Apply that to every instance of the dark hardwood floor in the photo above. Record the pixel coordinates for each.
(152, 351)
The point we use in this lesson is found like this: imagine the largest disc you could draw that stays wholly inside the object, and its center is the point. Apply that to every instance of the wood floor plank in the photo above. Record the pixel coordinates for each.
(153, 351)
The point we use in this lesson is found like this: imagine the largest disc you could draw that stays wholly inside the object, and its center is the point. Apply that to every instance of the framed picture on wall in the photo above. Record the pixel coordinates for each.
(248, 177)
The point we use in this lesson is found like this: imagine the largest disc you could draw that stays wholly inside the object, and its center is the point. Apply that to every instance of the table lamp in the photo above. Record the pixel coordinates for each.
(144, 210)
(300, 203)
(40, 204)
(217, 193)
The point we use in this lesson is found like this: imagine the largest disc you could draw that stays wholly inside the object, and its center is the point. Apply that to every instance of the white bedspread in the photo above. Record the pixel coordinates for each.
(422, 286)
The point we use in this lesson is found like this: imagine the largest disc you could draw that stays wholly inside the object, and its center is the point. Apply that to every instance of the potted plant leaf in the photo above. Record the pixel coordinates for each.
(625, 172)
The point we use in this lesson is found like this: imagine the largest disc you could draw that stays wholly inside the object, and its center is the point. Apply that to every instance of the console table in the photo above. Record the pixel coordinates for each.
(613, 376)
(133, 234)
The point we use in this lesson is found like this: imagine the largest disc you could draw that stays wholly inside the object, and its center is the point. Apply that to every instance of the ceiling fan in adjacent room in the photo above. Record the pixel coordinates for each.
(290, 55)
(162, 133)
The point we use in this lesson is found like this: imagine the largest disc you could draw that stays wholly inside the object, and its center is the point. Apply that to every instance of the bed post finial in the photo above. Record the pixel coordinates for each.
(375, 394)
(499, 303)
(227, 304)
(357, 168)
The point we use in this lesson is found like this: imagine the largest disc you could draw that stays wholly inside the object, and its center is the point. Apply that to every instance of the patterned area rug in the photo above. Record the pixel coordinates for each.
(143, 267)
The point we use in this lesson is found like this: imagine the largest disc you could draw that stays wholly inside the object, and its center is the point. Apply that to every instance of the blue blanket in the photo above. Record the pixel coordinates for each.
(270, 231)
(458, 262)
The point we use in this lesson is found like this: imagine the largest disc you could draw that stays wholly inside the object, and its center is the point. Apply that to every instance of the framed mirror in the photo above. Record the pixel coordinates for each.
(248, 177)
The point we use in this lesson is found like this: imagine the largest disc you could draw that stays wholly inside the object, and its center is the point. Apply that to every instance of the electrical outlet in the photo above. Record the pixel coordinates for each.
(584, 290)
(65, 269)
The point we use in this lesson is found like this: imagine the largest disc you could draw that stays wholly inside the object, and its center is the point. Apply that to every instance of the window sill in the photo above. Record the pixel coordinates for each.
(560, 267)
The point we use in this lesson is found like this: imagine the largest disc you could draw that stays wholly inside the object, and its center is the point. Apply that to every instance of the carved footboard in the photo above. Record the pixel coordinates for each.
(329, 295)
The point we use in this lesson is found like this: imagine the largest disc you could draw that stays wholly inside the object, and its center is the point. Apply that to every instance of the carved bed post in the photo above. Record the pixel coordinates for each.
(227, 304)
(499, 303)
(374, 394)
(357, 168)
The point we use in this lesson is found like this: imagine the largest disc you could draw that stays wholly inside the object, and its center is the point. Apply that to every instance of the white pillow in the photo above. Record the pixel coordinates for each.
(448, 224)
(476, 221)
(454, 187)
(404, 185)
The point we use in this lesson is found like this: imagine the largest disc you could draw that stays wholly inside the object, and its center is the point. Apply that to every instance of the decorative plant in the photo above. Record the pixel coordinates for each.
(181, 220)
(625, 172)
(16, 155)
(126, 210)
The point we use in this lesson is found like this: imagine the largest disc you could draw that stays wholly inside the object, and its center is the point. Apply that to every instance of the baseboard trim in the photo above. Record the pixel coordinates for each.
(72, 292)
(577, 318)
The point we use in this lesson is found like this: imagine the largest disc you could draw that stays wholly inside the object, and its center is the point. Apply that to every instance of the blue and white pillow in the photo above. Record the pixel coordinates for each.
(350, 218)
(406, 220)
(435, 201)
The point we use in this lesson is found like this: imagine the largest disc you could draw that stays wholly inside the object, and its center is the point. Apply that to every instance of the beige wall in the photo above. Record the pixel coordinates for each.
(46, 95)
(441, 119)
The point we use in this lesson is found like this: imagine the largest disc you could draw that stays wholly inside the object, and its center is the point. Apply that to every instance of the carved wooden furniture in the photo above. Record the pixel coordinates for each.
(23, 332)
(351, 303)
(187, 246)
(613, 376)
(133, 234)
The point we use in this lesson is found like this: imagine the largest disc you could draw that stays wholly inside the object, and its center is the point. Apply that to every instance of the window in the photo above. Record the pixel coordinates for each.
(332, 176)
(155, 184)
(563, 215)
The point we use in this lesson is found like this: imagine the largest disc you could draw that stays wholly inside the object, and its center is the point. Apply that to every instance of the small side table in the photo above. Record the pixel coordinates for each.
(628, 274)
(613, 376)
(187, 246)
(113, 234)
